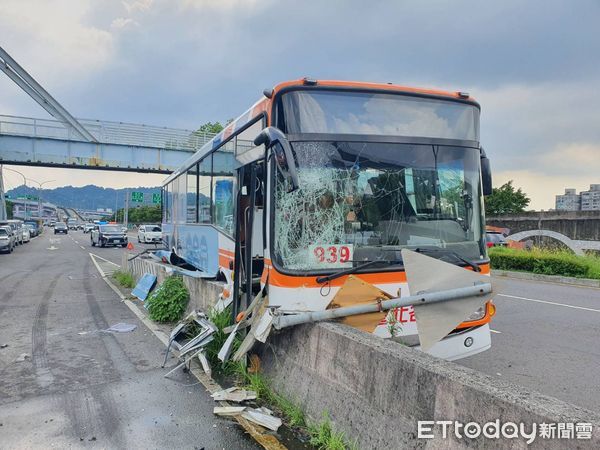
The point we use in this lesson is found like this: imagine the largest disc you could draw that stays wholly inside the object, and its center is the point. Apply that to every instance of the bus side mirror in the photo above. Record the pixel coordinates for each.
(274, 139)
(486, 173)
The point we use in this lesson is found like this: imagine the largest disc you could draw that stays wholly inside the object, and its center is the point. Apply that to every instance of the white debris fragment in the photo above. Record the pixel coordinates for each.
(22, 357)
(234, 394)
(262, 329)
(228, 410)
(261, 418)
(226, 349)
(205, 364)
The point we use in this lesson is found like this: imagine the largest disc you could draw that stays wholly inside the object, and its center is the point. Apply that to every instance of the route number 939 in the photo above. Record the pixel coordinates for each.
(331, 255)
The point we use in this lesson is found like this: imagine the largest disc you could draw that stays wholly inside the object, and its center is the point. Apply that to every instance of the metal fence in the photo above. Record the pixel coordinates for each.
(107, 132)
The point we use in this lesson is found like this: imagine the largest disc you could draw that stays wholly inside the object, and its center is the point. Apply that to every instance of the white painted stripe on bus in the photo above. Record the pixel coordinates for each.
(549, 303)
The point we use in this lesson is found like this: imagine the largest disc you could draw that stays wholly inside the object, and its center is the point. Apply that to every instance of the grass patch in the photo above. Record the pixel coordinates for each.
(546, 262)
(323, 437)
(125, 279)
(169, 301)
(320, 434)
(221, 320)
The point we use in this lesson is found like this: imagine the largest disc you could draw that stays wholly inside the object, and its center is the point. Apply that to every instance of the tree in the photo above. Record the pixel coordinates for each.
(9, 210)
(210, 127)
(506, 200)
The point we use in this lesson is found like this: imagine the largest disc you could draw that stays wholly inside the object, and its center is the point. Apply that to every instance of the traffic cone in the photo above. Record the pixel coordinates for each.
(130, 246)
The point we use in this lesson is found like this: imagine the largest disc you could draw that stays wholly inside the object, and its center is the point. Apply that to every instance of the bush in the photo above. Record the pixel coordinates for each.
(169, 301)
(125, 279)
(545, 262)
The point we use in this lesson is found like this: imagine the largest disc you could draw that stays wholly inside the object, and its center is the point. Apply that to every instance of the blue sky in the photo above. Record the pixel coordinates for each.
(533, 66)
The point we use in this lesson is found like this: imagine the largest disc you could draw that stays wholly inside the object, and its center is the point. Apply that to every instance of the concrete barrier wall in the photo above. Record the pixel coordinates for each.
(375, 391)
(203, 293)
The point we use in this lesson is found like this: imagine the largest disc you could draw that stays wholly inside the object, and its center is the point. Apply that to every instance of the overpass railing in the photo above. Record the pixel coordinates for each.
(107, 132)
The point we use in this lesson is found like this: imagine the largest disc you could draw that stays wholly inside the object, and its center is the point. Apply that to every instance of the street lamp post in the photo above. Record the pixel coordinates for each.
(24, 184)
(40, 195)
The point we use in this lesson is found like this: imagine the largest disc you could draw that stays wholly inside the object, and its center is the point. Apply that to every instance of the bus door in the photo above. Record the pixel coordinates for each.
(249, 261)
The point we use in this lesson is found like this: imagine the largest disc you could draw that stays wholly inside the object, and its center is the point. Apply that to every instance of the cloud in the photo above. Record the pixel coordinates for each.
(137, 5)
(122, 22)
(52, 40)
(532, 65)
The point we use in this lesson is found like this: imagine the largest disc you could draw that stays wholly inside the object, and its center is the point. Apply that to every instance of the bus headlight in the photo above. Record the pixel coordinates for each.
(478, 315)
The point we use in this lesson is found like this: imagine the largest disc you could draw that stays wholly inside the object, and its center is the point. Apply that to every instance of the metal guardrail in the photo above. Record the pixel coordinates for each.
(107, 132)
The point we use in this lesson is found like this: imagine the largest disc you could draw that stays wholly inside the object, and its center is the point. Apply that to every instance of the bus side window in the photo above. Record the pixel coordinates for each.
(204, 190)
(192, 194)
(223, 188)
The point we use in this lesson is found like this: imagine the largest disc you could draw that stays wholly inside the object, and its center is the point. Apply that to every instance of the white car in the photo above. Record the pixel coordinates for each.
(26, 234)
(149, 233)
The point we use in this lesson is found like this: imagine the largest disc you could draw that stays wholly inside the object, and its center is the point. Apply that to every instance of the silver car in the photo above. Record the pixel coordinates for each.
(7, 239)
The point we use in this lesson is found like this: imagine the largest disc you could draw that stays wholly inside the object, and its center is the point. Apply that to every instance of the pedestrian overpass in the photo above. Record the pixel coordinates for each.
(116, 145)
(67, 142)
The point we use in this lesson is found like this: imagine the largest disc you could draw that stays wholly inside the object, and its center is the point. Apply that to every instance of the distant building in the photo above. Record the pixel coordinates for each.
(29, 209)
(570, 201)
(590, 200)
(584, 201)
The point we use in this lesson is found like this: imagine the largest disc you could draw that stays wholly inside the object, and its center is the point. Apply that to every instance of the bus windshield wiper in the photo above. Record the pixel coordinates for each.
(352, 270)
(443, 251)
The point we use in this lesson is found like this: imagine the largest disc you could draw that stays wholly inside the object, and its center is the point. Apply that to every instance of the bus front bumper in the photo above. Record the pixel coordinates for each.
(463, 344)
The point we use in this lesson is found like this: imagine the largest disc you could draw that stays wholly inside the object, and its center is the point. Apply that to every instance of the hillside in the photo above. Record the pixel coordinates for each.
(89, 197)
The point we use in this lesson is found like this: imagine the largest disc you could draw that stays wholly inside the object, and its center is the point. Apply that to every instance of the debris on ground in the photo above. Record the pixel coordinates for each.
(260, 416)
(122, 328)
(22, 357)
(3, 345)
(190, 337)
(144, 286)
(263, 417)
(234, 394)
(228, 410)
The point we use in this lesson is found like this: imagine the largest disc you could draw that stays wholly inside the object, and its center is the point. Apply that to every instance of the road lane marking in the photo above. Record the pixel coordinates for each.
(548, 303)
(495, 331)
(266, 440)
(82, 247)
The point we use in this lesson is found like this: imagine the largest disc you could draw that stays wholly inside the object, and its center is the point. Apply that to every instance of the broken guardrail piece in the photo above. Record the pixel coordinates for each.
(260, 416)
(234, 394)
(194, 346)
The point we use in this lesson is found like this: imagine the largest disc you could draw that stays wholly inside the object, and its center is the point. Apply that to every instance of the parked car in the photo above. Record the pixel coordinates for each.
(7, 239)
(88, 227)
(61, 227)
(26, 234)
(34, 228)
(16, 226)
(493, 239)
(33, 231)
(104, 235)
(149, 233)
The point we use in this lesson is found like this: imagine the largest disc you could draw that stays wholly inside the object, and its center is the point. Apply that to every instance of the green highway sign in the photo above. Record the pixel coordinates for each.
(155, 198)
(137, 197)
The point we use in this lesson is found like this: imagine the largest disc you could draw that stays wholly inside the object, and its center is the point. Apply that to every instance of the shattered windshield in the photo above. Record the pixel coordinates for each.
(362, 201)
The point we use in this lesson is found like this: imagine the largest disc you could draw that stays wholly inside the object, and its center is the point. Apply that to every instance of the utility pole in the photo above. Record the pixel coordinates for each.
(3, 213)
(126, 213)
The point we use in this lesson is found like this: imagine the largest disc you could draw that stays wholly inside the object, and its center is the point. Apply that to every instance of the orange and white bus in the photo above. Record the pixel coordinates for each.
(320, 180)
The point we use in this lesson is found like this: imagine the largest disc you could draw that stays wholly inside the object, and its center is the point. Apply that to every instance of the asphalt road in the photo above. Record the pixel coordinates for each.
(546, 339)
(545, 336)
(80, 387)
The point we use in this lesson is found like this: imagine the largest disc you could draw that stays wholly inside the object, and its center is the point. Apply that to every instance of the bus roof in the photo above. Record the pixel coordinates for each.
(372, 86)
(263, 105)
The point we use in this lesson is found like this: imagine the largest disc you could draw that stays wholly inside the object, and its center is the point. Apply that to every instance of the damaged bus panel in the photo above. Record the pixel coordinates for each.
(313, 193)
